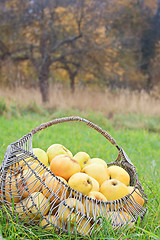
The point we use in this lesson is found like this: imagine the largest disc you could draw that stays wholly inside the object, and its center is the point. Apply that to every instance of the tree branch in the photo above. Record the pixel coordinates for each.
(69, 40)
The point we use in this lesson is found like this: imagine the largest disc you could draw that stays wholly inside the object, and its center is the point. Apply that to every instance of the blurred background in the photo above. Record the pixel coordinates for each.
(97, 55)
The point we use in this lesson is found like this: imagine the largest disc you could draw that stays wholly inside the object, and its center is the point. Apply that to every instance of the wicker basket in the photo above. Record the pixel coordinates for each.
(63, 206)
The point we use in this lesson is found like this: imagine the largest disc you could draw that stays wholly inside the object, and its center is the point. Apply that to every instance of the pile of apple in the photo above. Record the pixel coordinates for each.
(89, 176)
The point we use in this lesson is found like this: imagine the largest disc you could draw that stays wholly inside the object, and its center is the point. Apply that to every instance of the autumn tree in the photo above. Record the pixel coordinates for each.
(69, 36)
(41, 35)
(95, 59)
(98, 41)
(88, 16)
(129, 20)
(52, 33)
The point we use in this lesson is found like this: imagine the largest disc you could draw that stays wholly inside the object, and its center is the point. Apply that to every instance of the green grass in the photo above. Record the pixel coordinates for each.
(141, 145)
(137, 121)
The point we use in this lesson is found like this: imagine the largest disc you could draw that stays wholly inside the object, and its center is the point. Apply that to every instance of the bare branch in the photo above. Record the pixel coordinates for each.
(69, 40)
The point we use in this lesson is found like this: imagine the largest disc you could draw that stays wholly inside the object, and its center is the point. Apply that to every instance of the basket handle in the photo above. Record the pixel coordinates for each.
(88, 123)
(75, 118)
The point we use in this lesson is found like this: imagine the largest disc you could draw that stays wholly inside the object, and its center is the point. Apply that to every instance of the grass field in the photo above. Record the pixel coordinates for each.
(141, 145)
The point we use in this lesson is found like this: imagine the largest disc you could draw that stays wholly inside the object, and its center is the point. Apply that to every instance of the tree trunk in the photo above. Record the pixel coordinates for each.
(72, 81)
(44, 88)
(72, 84)
(44, 84)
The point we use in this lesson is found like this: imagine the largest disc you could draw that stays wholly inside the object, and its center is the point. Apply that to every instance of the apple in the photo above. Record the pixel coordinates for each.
(37, 203)
(53, 221)
(97, 195)
(47, 174)
(35, 166)
(97, 160)
(55, 187)
(41, 155)
(29, 183)
(23, 212)
(17, 163)
(57, 149)
(64, 211)
(80, 224)
(91, 206)
(116, 172)
(136, 201)
(119, 218)
(82, 158)
(80, 182)
(64, 166)
(20, 160)
(10, 189)
(95, 184)
(73, 218)
(113, 189)
(14, 169)
(136, 195)
(97, 171)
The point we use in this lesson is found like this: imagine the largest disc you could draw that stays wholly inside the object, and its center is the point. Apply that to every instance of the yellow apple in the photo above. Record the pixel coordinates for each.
(52, 222)
(97, 160)
(116, 172)
(64, 166)
(57, 149)
(95, 184)
(41, 155)
(92, 208)
(80, 182)
(55, 187)
(80, 224)
(23, 212)
(29, 183)
(136, 195)
(119, 218)
(9, 191)
(17, 163)
(113, 189)
(37, 203)
(82, 158)
(136, 202)
(35, 166)
(65, 212)
(46, 174)
(22, 160)
(97, 171)
(97, 195)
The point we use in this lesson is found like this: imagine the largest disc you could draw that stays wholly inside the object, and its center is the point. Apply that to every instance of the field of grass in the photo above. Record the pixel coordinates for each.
(141, 145)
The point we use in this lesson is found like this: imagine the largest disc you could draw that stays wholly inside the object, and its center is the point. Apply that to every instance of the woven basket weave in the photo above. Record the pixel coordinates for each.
(85, 211)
